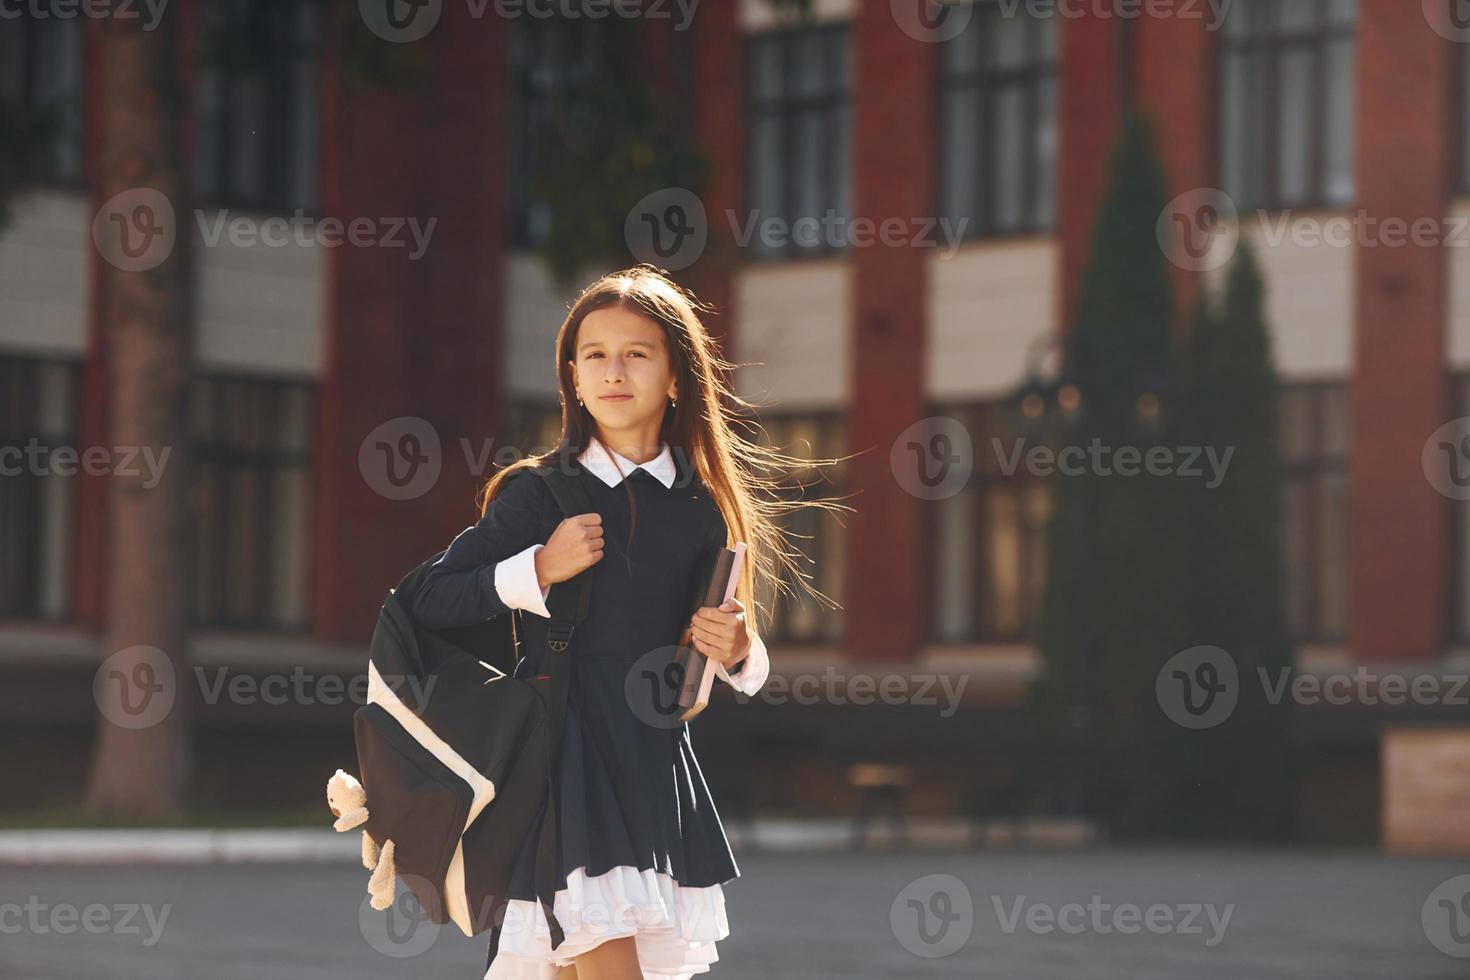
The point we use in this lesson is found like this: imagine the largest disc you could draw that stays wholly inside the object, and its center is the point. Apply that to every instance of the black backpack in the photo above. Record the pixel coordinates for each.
(456, 754)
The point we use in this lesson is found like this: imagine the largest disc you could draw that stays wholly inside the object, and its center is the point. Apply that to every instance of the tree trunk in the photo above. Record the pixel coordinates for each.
(140, 761)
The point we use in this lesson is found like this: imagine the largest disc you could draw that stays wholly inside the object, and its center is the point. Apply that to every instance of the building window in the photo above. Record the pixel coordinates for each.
(41, 80)
(998, 123)
(252, 449)
(258, 103)
(814, 533)
(988, 542)
(544, 58)
(38, 473)
(1314, 447)
(1460, 601)
(800, 124)
(1286, 103)
(534, 427)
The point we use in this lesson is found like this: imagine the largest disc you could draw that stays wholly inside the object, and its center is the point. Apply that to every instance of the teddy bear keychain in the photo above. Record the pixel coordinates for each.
(348, 802)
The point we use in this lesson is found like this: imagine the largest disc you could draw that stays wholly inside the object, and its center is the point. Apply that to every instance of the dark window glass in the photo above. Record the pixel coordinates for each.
(998, 123)
(258, 101)
(816, 534)
(41, 80)
(988, 542)
(252, 453)
(799, 115)
(1286, 102)
(543, 58)
(37, 487)
(1314, 446)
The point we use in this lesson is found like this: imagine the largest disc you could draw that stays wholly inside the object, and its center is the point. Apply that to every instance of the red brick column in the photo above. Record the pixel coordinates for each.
(409, 337)
(1174, 70)
(893, 166)
(720, 117)
(1089, 108)
(1400, 528)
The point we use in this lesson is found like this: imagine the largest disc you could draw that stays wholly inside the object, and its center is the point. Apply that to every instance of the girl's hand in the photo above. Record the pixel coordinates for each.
(574, 545)
(720, 633)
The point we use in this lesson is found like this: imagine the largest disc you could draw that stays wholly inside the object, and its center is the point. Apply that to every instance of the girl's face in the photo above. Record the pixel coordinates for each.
(622, 371)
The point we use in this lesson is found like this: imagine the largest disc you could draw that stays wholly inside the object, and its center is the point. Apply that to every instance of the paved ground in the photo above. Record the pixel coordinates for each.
(1293, 916)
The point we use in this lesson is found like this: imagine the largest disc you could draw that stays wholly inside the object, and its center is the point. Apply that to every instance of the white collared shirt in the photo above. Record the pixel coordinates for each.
(517, 585)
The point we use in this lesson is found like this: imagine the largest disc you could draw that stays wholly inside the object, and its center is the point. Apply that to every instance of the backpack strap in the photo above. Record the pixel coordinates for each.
(568, 603)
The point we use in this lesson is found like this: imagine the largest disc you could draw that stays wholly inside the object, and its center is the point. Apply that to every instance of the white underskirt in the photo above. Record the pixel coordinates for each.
(675, 927)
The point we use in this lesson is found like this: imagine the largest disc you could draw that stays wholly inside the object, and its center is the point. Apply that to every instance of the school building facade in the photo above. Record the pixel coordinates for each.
(994, 118)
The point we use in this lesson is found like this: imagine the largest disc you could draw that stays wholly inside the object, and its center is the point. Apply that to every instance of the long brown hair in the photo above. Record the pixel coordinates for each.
(744, 477)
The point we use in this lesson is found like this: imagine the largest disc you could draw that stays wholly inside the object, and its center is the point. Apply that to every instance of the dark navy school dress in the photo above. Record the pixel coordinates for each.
(641, 851)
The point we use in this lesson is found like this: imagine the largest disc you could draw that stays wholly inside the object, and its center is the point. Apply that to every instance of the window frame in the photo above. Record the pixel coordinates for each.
(66, 436)
(836, 95)
(1310, 470)
(1272, 43)
(985, 80)
(215, 450)
(831, 425)
(292, 48)
(31, 174)
(971, 414)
